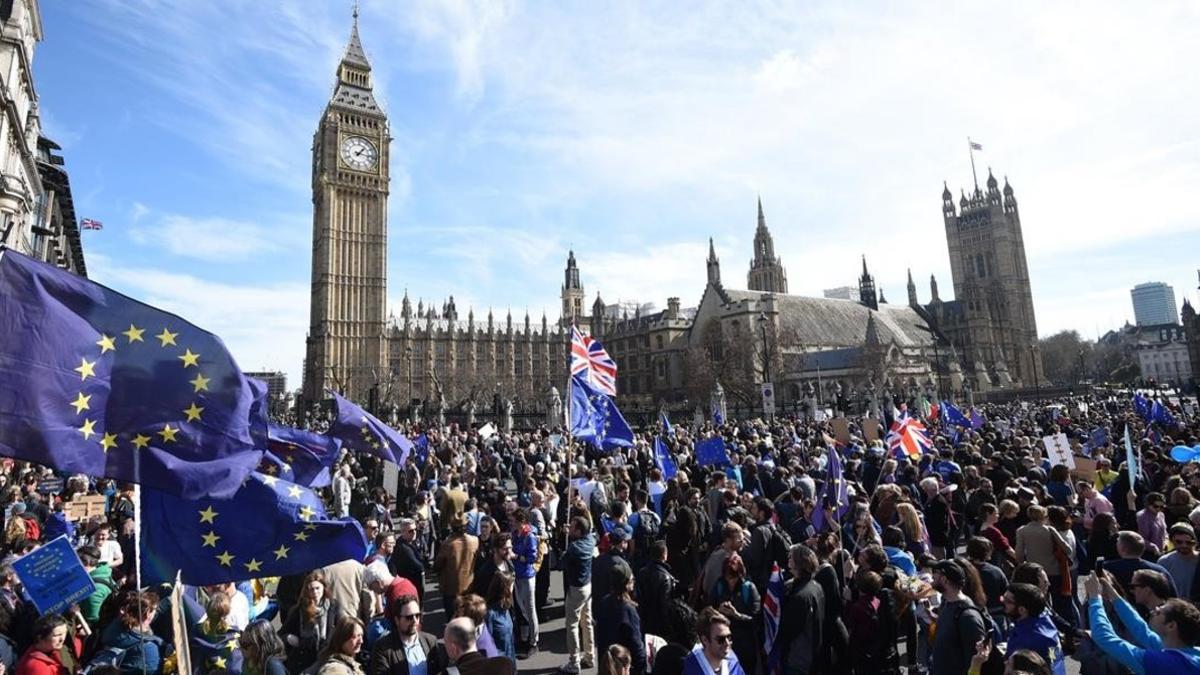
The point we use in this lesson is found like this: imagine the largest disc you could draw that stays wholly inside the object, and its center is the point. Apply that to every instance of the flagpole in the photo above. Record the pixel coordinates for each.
(971, 151)
(570, 441)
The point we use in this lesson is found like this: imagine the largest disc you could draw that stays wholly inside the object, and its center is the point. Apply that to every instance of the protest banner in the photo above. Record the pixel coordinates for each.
(1085, 469)
(871, 429)
(1058, 450)
(83, 507)
(841, 430)
(53, 576)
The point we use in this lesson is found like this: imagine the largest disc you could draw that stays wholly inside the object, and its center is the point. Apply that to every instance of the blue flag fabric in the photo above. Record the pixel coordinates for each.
(361, 431)
(663, 460)
(1160, 414)
(269, 528)
(1097, 439)
(717, 417)
(1141, 405)
(421, 447)
(667, 429)
(300, 456)
(836, 495)
(711, 452)
(89, 379)
(952, 415)
(977, 420)
(595, 417)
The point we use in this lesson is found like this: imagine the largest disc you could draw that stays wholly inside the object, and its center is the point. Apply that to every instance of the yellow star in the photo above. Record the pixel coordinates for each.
(231, 645)
(190, 359)
(200, 382)
(134, 334)
(271, 468)
(81, 403)
(193, 413)
(88, 429)
(106, 344)
(294, 492)
(253, 566)
(108, 442)
(310, 528)
(225, 558)
(167, 338)
(306, 513)
(210, 539)
(301, 536)
(281, 552)
(141, 441)
(86, 369)
(219, 661)
(270, 481)
(208, 514)
(284, 466)
(167, 433)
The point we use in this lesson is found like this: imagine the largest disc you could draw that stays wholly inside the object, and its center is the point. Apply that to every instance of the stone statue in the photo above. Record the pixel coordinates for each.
(554, 408)
(717, 402)
(508, 416)
(470, 413)
(439, 401)
(697, 419)
(810, 393)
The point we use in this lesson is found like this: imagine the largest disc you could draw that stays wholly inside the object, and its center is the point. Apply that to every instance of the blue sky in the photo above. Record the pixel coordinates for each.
(633, 132)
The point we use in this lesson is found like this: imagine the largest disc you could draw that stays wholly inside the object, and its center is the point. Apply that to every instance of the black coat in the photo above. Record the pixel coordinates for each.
(654, 586)
(617, 623)
(406, 562)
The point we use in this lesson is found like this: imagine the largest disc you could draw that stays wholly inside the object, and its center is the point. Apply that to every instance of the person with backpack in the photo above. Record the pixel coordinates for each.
(647, 529)
(868, 620)
(736, 598)
(768, 546)
(128, 642)
(961, 624)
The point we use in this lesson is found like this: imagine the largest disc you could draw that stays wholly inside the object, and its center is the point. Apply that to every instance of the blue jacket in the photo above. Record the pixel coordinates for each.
(901, 559)
(1038, 634)
(525, 548)
(117, 635)
(577, 561)
(1144, 656)
(692, 664)
(499, 623)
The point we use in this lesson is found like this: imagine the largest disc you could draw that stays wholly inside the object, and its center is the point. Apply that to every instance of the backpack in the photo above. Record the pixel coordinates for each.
(649, 530)
(779, 545)
(995, 661)
(108, 657)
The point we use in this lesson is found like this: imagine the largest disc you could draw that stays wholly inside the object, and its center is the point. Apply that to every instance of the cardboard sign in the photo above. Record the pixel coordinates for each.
(1058, 450)
(83, 507)
(1085, 468)
(841, 430)
(53, 576)
(872, 431)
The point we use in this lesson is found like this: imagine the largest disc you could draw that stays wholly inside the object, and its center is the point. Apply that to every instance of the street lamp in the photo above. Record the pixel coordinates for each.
(1037, 386)
(408, 351)
(762, 324)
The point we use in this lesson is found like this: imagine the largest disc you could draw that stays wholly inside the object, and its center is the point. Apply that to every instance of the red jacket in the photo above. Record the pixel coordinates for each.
(36, 662)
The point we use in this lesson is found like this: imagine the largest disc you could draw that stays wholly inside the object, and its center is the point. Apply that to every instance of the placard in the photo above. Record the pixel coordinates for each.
(53, 576)
(1085, 468)
(83, 507)
(1058, 450)
(841, 430)
(871, 430)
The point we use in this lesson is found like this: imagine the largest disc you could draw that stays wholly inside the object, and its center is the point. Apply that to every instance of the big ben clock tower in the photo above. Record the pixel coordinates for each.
(345, 347)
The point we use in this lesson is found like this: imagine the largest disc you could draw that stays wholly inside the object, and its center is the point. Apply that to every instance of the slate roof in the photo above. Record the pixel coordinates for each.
(354, 98)
(827, 323)
(844, 358)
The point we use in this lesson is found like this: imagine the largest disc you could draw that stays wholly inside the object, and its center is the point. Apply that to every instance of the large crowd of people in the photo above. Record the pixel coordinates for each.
(979, 556)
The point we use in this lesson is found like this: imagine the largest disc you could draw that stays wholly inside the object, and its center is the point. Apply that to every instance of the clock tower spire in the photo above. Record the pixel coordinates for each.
(345, 349)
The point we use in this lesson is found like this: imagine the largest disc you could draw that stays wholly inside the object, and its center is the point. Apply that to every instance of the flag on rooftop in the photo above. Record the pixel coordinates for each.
(90, 224)
(91, 379)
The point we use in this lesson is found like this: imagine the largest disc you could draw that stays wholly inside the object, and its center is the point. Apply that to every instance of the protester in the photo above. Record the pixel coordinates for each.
(338, 656)
(406, 650)
(262, 650)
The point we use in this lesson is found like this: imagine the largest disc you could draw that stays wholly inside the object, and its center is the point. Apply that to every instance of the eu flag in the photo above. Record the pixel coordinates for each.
(1160, 414)
(421, 446)
(93, 382)
(667, 429)
(663, 460)
(361, 431)
(712, 451)
(595, 417)
(952, 415)
(301, 456)
(837, 496)
(269, 528)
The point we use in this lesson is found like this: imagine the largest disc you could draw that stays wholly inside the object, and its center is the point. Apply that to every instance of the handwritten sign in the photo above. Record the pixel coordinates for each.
(53, 576)
(1058, 450)
(84, 507)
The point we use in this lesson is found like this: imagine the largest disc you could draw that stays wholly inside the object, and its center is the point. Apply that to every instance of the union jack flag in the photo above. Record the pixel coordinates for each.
(772, 612)
(588, 356)
(90, 224)
(907, 437)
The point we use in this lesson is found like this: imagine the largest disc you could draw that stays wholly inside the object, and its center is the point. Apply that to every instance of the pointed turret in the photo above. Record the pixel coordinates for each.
(354, 88)
(882, 300)
(912, 291)
(405, 306)
(762, 220)
(866, 287)
(933, 290)
(766, 270)
(872, 339)
(714, 265)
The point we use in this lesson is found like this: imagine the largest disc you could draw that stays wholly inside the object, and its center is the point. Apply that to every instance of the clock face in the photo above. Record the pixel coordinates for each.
(358, 153)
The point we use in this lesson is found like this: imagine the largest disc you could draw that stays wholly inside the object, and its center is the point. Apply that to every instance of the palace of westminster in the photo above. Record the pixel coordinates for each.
(981, 340)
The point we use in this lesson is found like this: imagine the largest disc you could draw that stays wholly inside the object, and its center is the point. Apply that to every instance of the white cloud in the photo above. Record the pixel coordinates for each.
(218, 240)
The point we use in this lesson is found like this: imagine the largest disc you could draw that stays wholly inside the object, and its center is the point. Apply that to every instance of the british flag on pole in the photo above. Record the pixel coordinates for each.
(589, 357)
(907, 437)
(772, 613)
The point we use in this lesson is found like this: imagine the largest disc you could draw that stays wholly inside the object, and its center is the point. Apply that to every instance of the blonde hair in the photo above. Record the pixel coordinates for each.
(910, 521)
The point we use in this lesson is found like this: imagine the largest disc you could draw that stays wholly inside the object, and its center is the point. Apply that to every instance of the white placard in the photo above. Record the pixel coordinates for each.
(487, 431)
(1058, 450)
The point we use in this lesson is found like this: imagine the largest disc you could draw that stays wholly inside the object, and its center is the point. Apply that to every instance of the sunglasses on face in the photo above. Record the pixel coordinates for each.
(722, 639)
(411, 617)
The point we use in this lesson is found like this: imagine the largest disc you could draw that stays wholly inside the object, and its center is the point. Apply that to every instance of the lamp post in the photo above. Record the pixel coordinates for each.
(408, 352)
(762, 325)
(1037, 386)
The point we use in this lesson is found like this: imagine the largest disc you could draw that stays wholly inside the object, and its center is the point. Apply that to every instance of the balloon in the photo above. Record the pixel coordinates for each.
(1183, 454)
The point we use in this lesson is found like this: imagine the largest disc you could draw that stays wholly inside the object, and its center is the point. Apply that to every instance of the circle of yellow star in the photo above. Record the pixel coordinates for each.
(253, 565)
(88, 429)
(199, 383)
(86, 369)
(210, 539)
(106, 344)
(166, 337)
(167, 433)
(193, 413)
(189, 359)
(225, 558)
(81, 403)
(208, 515)
(134, 334)
(141, 441)
(306, 513)
(301, 536)
(294, 492)
(281, 552)
(108, 442)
